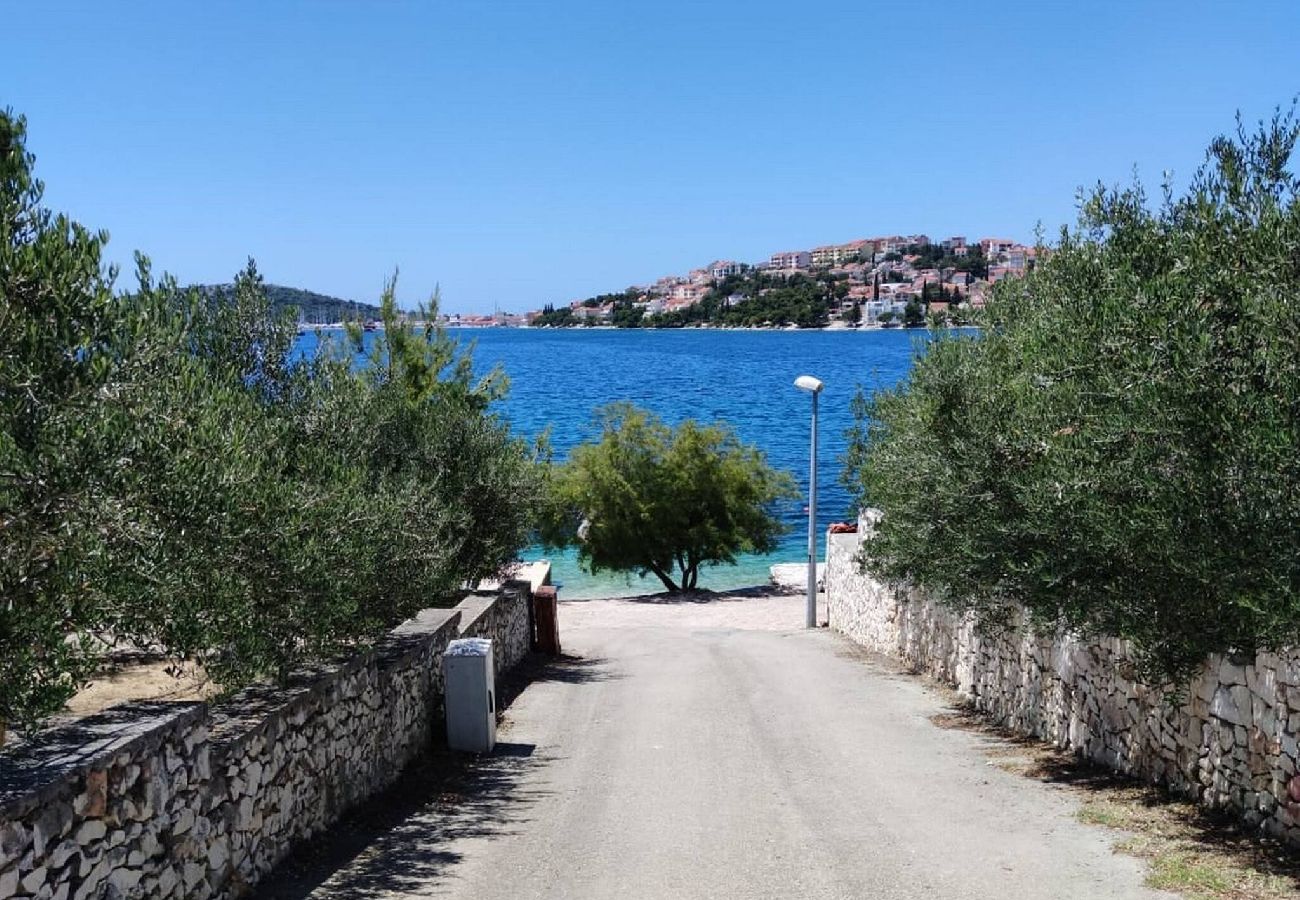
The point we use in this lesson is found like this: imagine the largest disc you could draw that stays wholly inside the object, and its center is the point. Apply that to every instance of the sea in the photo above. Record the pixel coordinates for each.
(559, 377)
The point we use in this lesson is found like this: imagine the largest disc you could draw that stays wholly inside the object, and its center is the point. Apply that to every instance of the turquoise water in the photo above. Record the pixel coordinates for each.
(557, 377)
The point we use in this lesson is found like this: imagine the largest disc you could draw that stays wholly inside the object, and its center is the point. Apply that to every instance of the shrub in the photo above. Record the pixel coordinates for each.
(648, 498)
(1120, 450)
(172, 476)
(57, 332)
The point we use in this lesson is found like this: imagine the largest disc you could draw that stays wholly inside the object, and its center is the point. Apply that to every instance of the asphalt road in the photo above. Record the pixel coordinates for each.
(688, 752)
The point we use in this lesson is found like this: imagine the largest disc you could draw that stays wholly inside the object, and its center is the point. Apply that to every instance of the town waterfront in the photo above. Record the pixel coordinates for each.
(559, 376)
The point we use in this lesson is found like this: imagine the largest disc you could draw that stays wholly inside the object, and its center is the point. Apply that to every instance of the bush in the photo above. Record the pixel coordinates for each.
(647, 498)
(171, 476)
(57, 330)
(1120, 450)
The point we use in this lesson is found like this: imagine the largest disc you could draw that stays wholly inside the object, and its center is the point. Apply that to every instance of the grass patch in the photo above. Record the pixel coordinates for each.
(1194, 852)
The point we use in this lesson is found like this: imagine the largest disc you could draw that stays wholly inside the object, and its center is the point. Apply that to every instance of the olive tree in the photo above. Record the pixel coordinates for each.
(57, 338)
(173, 477)
(651, 499)
(1119, 450)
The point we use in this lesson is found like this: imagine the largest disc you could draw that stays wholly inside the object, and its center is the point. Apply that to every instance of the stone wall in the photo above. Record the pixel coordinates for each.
(1231, 744)
(183, 800)
(503, 617)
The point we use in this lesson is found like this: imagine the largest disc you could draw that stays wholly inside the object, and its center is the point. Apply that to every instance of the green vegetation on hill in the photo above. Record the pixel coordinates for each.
(934, 256)
(752, 299)
(306, 306)
(755, 299)
(1119, 451)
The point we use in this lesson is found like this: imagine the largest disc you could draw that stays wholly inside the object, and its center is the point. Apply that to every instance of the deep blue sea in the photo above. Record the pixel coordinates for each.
(558, 377)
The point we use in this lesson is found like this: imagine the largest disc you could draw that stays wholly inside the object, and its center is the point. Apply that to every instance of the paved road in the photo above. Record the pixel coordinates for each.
(694, 752)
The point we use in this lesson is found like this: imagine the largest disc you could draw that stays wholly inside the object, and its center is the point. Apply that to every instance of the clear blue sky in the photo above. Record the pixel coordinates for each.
(526, 152)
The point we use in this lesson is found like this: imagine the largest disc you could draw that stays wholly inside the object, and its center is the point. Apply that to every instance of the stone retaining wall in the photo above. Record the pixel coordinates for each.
(1232, 744)
(183, 800)
(505, 619)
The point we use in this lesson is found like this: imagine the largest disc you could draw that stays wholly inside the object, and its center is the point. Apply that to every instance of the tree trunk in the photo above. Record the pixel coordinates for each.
(663, 576)
(690, 571)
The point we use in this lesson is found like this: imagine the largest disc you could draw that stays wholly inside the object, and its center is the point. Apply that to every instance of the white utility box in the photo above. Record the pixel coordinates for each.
(470, 686)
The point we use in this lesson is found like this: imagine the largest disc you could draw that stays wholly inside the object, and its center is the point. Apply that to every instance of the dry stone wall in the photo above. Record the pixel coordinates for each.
(1230, 744)
(183, 800)
(505, 619)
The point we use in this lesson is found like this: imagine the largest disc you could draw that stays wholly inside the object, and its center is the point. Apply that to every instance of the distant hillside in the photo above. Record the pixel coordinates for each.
(312, 307)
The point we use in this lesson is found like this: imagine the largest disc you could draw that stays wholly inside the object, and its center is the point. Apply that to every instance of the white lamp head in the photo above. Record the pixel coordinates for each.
(808, 383)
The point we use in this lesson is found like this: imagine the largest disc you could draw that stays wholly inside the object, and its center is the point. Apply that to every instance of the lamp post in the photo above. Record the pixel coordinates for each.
(813, 386)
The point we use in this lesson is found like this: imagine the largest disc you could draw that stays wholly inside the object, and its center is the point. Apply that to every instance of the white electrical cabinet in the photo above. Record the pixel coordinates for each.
(470, 686)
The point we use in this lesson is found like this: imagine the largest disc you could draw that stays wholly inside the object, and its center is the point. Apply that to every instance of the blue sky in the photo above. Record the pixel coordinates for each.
(522, 153)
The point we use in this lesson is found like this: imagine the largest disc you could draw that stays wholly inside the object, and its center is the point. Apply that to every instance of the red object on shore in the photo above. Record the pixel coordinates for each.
(844, 528)
(547, 618)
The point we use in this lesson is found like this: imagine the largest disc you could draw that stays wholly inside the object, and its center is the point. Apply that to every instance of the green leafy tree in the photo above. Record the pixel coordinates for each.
(1116, 453)
(173, 477)
(298, 509)
(913, 314)
(651, 499)
(58, 334)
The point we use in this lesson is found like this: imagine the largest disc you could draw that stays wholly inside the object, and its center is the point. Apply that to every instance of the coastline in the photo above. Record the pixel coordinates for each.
(706, 327)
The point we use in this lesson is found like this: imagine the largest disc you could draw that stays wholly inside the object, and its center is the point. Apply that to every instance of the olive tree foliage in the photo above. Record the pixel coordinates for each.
(651, 499)
(1119, 451)
(173, 476)
(341, 498)
(56, 335)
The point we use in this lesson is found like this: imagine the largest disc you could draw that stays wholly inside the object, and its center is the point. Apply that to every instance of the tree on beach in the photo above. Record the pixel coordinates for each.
(651, 499)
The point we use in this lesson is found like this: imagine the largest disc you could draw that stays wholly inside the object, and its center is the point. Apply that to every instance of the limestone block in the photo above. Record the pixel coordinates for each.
(192, 874)
(9, 882)
(14, 840)
(90, 882)
(168, 880)
(125, 880)
(183, 822)
(253, 777)
(1231, 674)
(244, 815)
(218, 856)
(91, 830)
(93, 800)
(1265, 684)
(1224, 706)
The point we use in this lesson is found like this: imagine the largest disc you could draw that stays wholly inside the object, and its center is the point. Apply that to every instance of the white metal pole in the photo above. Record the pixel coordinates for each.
(811, 616)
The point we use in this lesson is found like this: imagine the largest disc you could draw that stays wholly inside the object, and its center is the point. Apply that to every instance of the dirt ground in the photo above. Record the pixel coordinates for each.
(131, 677)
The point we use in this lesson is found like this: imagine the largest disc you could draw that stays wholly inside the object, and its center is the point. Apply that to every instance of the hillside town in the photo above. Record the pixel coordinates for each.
(889, 281)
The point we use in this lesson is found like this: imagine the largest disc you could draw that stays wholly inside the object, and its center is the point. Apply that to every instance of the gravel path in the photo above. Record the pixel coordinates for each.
(717, 749)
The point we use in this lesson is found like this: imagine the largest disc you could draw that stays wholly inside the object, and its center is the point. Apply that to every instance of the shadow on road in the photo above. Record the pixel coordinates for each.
(732, 596)
(400, 842)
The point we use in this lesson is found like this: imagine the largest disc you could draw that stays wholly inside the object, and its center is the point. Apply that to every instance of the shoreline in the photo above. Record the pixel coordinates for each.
(776, 328)
(340, 326)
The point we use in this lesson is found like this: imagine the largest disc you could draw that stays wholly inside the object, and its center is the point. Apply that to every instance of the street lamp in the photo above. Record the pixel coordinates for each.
(813, 386)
